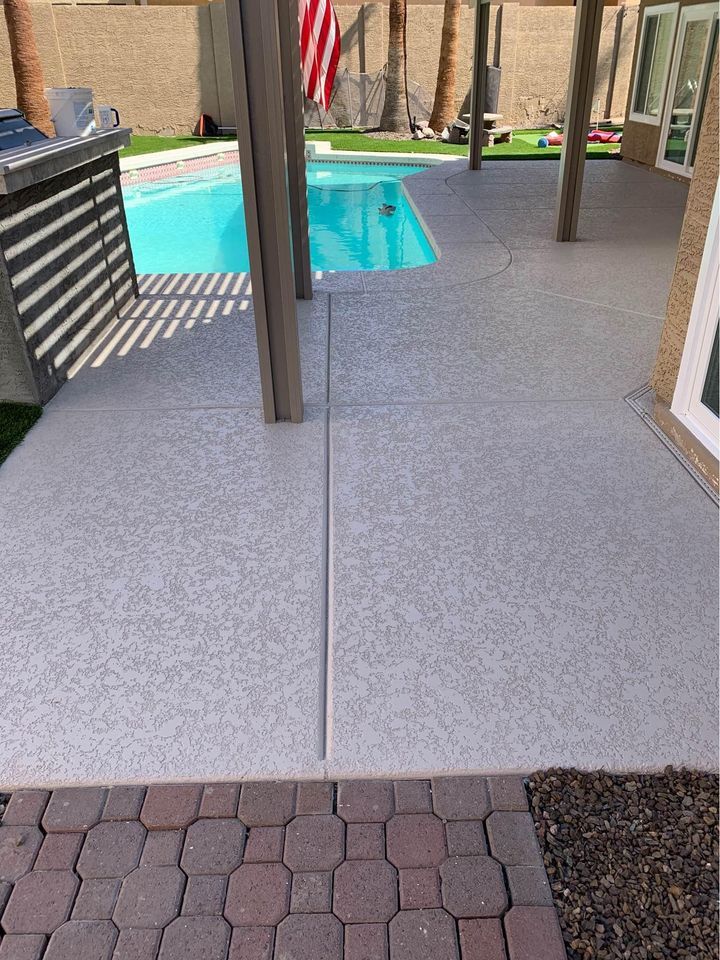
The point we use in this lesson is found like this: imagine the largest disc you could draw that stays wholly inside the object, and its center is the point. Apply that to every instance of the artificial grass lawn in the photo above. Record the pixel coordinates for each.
(15, 421)
(523, 147)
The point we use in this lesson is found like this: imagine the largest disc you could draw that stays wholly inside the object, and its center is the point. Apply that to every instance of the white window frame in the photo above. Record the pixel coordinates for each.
(698, 11)
(661, 8)
(687, 405)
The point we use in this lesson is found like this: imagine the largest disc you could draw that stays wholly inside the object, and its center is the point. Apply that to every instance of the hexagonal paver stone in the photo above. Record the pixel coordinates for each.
(40, 902)
(220, 800)
(473, 887)
(533, 933)
(415, 840)
(311, 893)
(24, 946)
(301, 936)
(265, 845)
(136, 944)
(96, 900)
(59, 851)
(213, 846)
(268, 804)
(421, 934)
(112, 849)
(465, 838)
(481, 940)
(315, 797)
(420, 889)
(150, 897)
(19, 847)
(123, 803)
(314, 843)
(461, 798)
(91, 940)
(366, 941)
(365, 801)
(529, 887)
(195, 938)
(512, 839)
(507, 793)
(252, 943)
(74, 809)
(25, 808)
(171, 806)
(413, 796)
(258, 895)
(365, 891)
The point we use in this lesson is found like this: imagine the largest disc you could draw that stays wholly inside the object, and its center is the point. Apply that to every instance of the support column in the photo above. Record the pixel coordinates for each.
(295, 144)
(586, 41)
(477, 98)
(257, 86)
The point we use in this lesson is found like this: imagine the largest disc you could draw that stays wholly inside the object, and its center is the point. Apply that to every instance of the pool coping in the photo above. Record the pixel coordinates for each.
(314, 150)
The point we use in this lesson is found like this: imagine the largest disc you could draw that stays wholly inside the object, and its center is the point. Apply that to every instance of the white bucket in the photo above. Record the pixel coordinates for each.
(71, 109)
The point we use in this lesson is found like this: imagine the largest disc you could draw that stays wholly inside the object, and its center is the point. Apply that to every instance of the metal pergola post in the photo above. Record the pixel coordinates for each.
(586, 41)
(295, 143)
(257, 85)
(477, 96)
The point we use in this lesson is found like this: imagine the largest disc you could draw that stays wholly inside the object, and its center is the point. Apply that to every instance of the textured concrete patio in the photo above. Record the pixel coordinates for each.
(472, 556)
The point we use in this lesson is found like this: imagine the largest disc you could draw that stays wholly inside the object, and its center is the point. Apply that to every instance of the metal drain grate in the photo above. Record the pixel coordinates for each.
(641, 401)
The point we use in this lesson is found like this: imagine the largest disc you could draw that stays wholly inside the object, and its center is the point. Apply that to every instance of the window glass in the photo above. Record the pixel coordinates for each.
(688, 90)
(654, 61)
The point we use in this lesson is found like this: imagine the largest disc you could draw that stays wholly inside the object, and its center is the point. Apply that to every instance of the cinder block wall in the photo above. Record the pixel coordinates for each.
(162, 66)
(690, 250)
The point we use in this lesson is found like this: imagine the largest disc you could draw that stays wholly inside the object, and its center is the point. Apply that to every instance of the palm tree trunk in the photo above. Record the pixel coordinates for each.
(29, 84)
(394, 116)
(445, 105)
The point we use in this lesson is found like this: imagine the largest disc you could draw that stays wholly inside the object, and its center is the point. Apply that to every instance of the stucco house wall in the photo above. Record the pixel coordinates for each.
(690, 249)
(162, 66)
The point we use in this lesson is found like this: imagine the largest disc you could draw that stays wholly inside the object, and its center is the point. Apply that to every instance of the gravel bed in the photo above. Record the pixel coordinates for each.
(632, 860)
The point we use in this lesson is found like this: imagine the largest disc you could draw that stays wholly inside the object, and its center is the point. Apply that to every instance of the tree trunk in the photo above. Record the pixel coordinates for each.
(29, 84)
(394, 116)
(445, 105)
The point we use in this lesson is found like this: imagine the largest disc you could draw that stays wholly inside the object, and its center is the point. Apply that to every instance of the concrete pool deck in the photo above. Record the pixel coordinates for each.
(472, 556)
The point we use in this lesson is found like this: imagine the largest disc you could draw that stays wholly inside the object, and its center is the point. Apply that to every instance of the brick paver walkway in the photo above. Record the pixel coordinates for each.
(360, 870)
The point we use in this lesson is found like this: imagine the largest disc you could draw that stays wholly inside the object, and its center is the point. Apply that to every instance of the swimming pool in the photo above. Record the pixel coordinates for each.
(194, 222)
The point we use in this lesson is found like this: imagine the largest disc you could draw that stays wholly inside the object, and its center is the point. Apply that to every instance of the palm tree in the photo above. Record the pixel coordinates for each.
(445, 106)
(29, 84)
(394, 116)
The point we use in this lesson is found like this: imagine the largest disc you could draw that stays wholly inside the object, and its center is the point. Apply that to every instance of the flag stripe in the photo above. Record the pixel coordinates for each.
(319, 48)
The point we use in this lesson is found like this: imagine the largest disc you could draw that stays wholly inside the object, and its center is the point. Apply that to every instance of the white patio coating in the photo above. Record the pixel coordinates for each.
(472, 556)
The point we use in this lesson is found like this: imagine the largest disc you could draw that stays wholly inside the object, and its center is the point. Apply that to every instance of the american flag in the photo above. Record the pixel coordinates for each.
(319, 48)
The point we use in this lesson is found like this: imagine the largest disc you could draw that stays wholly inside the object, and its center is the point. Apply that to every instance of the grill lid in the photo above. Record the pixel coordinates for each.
(16, 131)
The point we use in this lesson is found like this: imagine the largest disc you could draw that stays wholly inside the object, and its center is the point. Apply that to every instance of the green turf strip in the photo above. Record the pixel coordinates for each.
(15, 421)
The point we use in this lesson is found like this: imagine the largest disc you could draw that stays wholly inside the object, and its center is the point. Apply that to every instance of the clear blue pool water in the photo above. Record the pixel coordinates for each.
(194, 223)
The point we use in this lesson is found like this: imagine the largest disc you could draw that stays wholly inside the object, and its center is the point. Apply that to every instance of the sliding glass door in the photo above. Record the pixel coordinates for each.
(695, 402)
(694, 50)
